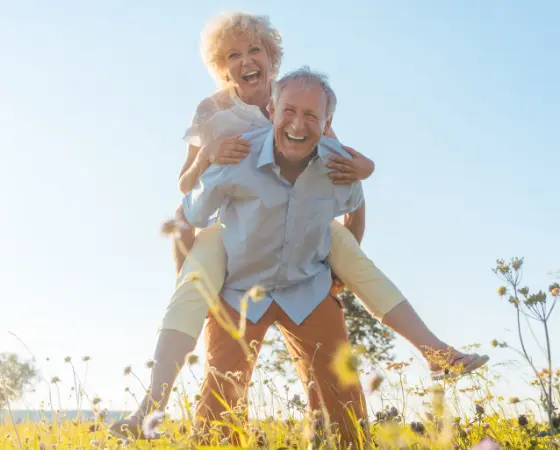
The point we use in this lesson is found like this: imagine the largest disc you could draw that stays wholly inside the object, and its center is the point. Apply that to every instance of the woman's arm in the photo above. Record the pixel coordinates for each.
(195, 164)
(223, 151)
(346, 171)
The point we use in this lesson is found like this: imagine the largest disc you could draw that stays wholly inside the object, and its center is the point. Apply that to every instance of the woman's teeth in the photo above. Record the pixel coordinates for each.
(252, 77)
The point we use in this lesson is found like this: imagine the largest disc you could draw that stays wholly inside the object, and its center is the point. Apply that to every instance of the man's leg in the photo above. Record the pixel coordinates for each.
(228, 369)
(382, 298)
(315, 342)
(181, 325)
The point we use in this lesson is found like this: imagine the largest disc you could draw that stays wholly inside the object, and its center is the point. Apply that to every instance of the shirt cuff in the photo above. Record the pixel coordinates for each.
(193, 216)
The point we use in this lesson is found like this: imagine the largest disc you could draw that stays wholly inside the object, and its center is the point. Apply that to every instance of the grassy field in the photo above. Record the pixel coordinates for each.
(463, 413)
(449, 418)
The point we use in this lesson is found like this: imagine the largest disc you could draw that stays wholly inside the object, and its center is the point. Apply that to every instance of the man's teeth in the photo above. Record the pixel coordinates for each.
(296, 138)
(254, 72)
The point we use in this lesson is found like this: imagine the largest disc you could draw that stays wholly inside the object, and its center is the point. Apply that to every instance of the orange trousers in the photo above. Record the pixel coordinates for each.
(312, 344)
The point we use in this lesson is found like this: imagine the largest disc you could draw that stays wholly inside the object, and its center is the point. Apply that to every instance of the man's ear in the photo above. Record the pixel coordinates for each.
(328, 130)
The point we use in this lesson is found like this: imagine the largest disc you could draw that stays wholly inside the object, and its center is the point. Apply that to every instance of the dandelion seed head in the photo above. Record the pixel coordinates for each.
(151, 423)
(150, 364)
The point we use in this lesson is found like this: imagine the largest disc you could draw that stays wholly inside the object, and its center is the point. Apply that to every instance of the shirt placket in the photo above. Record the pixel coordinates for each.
(289, 228)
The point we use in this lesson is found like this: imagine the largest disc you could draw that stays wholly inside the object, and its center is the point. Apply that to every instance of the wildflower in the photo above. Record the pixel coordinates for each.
(86, 358)
(150, 424)
(479, 409)
(96, 400)
(95, 443)
(173, 228)
(128, 370)
(486, 444)
(55, 380)
(257, 293)
(101, 415)
(555, 292)
(375, 382)
(502, 291)
(296, 398)
(524, 291)
(495, 343)
(393, 411)
(345, 366)
(522, 421)
(150, 364)
(418, 427)
(381, 416)
(68, 359)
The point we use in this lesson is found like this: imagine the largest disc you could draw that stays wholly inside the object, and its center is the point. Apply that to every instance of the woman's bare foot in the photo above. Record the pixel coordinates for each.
(127, 428)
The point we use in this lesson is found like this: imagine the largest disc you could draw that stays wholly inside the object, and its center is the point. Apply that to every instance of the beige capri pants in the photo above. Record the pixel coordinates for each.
(187, 309)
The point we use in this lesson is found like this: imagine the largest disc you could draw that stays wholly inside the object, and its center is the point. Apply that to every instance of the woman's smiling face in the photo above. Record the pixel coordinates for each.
(247, 65)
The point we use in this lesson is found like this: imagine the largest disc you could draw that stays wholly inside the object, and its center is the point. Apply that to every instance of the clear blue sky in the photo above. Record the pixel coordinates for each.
(458, 104)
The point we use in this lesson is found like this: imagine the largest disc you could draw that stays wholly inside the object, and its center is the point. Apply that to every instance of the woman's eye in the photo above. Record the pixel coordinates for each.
(255, 50)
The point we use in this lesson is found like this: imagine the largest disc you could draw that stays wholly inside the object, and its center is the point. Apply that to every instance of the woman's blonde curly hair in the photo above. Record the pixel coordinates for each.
(218, 30)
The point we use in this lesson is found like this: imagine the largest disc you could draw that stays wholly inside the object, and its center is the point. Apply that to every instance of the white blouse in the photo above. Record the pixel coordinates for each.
(223, 115)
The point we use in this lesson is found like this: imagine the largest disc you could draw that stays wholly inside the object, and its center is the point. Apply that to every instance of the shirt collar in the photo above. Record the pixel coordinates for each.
(267, 151)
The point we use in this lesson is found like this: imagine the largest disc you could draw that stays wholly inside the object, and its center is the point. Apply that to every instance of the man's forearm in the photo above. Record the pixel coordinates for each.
(356, 222)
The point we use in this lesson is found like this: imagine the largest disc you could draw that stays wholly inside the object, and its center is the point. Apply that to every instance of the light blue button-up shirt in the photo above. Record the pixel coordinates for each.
(276, 235)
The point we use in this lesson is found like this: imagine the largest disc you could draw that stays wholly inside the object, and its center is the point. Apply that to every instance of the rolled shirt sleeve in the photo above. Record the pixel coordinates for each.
(354, 200)
(212, 191)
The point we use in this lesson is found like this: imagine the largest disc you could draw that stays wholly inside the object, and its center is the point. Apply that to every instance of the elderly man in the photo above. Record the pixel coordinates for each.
(276, 209)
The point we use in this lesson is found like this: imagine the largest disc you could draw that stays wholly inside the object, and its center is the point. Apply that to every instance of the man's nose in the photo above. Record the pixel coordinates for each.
(298, 124)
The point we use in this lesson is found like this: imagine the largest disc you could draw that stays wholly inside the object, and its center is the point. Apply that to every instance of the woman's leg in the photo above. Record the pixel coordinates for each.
(184, 243)
(381, 297)
(182, 324)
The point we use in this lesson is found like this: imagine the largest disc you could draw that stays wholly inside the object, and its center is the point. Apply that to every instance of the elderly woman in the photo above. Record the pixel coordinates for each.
(243, 52)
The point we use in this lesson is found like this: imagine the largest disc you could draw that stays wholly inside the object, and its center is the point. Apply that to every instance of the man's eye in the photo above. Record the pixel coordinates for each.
(233, 55)
(311, 116)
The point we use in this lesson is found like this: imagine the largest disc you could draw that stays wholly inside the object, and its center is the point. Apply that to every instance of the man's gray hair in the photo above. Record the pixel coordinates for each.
(310, 78)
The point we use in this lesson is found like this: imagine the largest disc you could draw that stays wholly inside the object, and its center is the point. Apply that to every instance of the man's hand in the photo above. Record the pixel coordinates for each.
(347, 171)
(226, 151)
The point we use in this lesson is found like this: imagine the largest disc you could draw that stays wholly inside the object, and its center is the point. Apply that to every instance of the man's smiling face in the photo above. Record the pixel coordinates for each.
(299, 118)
